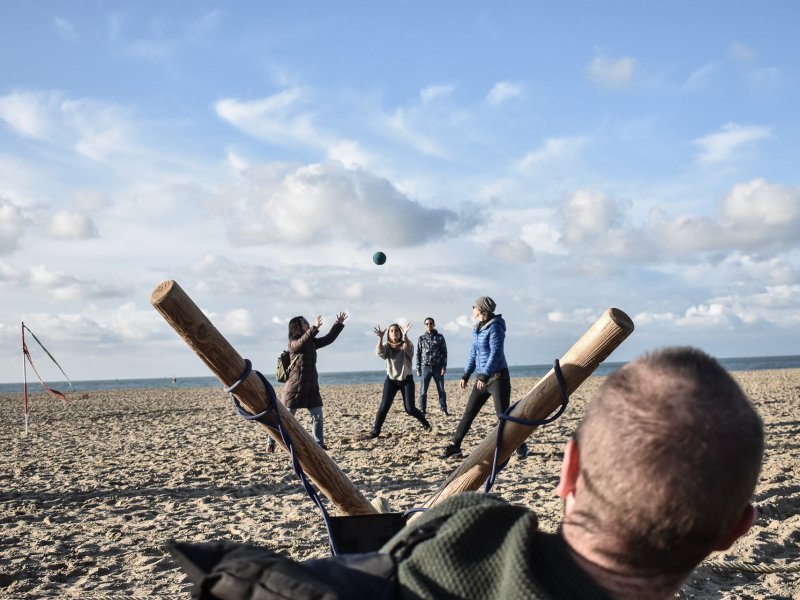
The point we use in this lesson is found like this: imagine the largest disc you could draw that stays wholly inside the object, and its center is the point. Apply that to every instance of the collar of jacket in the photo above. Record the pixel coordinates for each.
(484, 325)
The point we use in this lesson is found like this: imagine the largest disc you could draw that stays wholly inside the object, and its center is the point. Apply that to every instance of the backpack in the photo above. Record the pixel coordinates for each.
(284, 366)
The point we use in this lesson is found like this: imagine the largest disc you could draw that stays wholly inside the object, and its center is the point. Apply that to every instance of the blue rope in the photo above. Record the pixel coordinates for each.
(506, 416)
(287, 440)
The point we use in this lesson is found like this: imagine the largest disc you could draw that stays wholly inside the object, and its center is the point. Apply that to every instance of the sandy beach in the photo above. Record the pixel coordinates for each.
(94, 490)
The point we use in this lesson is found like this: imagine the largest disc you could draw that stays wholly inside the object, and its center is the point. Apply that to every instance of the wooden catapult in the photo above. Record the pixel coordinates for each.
(577, 364)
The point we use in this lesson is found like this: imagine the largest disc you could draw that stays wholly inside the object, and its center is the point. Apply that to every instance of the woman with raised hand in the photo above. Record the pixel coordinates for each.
(301, 389)
(398, 353)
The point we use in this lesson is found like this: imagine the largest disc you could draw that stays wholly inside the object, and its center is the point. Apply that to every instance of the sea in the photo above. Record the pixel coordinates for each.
(755, 363)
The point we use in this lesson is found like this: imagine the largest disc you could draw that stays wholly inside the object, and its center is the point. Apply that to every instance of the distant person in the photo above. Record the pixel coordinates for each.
(659, 474)
(301, 389)
(397, 354)
(431, 363)
(488, 360)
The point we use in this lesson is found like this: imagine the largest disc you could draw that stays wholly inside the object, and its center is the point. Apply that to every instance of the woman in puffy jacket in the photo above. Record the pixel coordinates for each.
(488, 360)
(301, 389)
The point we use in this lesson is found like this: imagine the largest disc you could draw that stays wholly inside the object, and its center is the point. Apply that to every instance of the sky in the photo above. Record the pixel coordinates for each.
(562, 158)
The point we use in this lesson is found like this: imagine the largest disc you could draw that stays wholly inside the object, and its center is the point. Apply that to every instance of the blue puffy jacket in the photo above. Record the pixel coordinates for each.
(486, 356)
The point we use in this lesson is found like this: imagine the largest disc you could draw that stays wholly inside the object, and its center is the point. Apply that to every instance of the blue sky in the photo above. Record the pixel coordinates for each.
(562, 158)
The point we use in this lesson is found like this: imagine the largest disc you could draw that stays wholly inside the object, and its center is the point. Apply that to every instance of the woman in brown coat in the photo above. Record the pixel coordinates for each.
(301, 389)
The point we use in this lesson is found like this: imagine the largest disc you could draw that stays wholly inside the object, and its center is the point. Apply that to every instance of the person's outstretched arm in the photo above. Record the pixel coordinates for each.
(329, 337)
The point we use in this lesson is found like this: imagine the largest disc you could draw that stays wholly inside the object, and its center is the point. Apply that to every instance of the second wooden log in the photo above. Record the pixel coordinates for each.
(580, 361)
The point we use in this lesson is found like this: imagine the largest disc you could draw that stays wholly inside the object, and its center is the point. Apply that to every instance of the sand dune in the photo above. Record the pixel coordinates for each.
(89, 497)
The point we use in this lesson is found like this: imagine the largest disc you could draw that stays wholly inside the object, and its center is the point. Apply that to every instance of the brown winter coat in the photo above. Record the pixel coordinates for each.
(301, 390)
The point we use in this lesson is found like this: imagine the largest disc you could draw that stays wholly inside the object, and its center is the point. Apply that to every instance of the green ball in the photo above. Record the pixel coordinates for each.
(379, 258)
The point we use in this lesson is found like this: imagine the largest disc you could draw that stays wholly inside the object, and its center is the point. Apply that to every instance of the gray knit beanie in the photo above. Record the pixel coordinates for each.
(485, 305)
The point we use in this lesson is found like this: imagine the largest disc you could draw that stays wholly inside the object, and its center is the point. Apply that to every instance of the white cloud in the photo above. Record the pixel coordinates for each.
(648, 318)
(9, 273)
(354, 290)
(708, 315)
(89, 200)
(301, 288)
(724, 145)
(754, 216)
(70, 225)
(101, 132)
(28, 114)
(589, 214)
(742, 53)
(130, 323)
(315, 203)
(434, 92)
(93, 129)
(275, 119)
(762, 211)
(553, 149)
(611, 72)
(700, 78)
(401, 124)
(239, 322)
(12, 225)
(511, 250)
(575, 316)
(60, 286)
(350, 154)
(543, 237)
(65, 29)
(502, 91)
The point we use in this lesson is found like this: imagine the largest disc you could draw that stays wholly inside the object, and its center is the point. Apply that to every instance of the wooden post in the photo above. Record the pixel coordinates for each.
(594, 346)
(213, 349)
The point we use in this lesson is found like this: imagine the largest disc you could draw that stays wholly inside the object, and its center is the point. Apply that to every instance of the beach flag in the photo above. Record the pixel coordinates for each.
(26, 355)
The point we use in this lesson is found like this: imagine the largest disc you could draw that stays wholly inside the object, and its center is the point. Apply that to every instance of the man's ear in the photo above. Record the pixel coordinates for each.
(744, 523)
(570, 469)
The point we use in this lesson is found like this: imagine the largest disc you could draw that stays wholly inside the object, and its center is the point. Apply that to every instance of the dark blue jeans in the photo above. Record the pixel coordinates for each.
(434, 372)
(390, 389)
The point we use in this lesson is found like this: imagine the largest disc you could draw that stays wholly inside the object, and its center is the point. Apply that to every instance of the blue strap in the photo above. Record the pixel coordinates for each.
(287, 440)
(506, 416)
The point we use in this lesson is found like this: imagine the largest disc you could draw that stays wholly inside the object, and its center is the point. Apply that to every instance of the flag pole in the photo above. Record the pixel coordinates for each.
(24, 379)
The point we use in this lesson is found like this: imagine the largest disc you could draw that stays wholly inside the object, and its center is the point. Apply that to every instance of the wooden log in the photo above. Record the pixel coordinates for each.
(594, 346)
(214, 350)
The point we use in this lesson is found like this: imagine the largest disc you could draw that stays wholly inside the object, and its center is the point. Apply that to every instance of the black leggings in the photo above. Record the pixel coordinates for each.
(390, 389)
(499, 390)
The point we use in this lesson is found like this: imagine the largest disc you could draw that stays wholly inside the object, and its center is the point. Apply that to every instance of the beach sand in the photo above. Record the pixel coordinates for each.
(91, 494)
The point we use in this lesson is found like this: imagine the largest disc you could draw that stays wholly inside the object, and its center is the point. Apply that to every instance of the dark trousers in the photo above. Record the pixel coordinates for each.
(390, 389)
(500, 391)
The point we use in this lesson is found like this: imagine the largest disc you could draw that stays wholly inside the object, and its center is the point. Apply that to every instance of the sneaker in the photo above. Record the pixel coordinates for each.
(371, 435)
(522, 451)
(445, 413)
(452, 450)
(271, 448)
(322, 445)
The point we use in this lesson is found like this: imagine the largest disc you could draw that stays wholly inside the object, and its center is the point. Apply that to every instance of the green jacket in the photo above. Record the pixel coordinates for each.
(477, 546)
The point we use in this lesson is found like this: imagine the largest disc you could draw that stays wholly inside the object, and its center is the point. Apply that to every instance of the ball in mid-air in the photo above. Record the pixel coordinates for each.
(379, 258)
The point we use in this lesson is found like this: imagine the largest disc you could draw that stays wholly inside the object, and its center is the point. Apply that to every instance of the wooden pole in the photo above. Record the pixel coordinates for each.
(594, 346)
(213, 349)
(24, 378)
